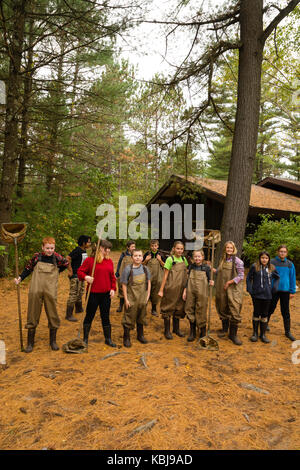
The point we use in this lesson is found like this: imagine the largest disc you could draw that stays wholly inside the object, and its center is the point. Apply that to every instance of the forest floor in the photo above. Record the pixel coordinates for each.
(190, 398)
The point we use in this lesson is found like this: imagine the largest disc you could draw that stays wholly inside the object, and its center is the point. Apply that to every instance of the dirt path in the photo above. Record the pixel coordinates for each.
(195, 399)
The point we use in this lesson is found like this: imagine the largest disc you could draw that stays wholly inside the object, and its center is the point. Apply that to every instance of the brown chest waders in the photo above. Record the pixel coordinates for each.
(229, 302)
(156, 272)
(43, 289)
(172, 303)
(127, 260)
(136, 314)
(197, 298)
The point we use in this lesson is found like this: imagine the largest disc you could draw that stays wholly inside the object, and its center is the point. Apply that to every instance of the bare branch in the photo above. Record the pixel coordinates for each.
(281, 15)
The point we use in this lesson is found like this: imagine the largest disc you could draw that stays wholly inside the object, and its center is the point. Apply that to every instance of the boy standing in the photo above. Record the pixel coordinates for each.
(286, 288)
(76, 258)
(154, 262)
(125, 259)
(136, 284)
(46, 266)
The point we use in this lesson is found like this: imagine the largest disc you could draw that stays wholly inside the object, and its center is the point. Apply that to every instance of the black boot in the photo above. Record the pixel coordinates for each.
(233, 327)
(30, 340)
(263, 329)
(254, 336)
(69, 313)
(53, 344)
(153, 311)
(268, 328)
(120, 308)
(140, 333)
(202, 331)
(107, 335)
(224, 330)
(176, 329)
(86, 331)
(78, 307)
(287, 329)
(126, 337)
(167, 332)
(192, 336)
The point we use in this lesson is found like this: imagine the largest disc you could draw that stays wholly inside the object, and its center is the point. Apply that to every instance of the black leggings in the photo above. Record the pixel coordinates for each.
(101, 300)
(261, 307)
(284, 304)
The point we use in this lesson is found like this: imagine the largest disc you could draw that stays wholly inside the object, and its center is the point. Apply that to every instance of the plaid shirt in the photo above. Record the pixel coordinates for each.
(61, 263)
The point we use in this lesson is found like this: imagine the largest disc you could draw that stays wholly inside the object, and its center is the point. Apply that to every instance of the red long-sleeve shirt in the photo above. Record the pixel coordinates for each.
(104, 276)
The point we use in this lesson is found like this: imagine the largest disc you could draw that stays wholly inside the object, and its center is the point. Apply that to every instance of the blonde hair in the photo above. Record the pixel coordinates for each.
(223, 259)
(178, 242)
(105, 244)
(199, 251)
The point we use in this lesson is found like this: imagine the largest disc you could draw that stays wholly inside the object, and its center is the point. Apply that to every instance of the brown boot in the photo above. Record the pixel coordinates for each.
(224, 330)
(176, 329)
(140, 333)
(30, 340)
(167, 332)
(53, 344)
(69, 313)
(78, 307)
(126, 337)
(192, 336)
(233, 327)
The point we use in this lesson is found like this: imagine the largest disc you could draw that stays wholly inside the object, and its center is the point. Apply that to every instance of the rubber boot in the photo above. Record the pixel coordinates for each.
(254, 336)
(176, 329)
(263, 329)
(78, 307)
(167, 332)
(30, 340)
(233, 327)
(202, 331)
(120, 308)
(69, 313)
(268, 328)
(140, 333)
(52, 335)
(126, 337)
(192, 336)
(287, 329)
(86, 331)
(153, 311)
(225, 326)
(107, 335)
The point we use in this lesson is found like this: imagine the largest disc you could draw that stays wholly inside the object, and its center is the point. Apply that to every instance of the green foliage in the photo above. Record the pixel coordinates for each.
(270, 234)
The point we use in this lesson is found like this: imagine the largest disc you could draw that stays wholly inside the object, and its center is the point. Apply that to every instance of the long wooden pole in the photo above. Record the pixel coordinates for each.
(18, 293)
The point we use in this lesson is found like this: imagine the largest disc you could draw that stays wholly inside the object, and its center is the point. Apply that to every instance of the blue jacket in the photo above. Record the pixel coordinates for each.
(262, 284)
(287, 273)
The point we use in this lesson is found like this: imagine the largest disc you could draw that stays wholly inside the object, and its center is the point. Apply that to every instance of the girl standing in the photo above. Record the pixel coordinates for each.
(171, 289)
(261, 285)
(196, 294)
(229, 291)
(102, 290)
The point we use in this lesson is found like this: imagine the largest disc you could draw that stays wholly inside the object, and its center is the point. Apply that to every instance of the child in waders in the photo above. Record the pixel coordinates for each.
(124, 260)
(229, 292)
(262, 281)
(286, 288)
(154, 262)
(195, 294)
(76, 258)
(136, 284)
(46, 266)
(171, 290)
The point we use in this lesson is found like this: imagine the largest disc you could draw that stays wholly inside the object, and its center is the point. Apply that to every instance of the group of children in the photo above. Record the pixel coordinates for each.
(179, 287)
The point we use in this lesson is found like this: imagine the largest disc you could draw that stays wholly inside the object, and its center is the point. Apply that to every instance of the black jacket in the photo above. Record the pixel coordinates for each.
(262, 284)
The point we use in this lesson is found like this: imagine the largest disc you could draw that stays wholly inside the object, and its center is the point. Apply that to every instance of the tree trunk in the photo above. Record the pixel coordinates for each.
(23, 155)
(14, 93)
(246, 124)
